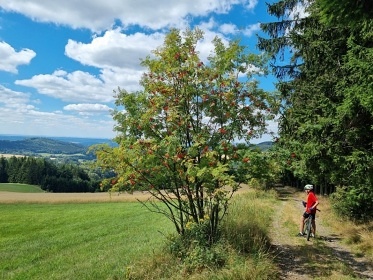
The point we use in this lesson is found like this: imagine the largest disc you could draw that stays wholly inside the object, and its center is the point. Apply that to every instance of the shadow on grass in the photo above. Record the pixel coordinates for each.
(284, 193)
(316, 259)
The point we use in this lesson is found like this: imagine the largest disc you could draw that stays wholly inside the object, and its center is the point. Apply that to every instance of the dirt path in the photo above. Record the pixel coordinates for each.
(324, 257)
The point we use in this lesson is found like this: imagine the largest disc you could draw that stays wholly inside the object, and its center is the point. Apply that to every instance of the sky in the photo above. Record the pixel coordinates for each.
(60, 61)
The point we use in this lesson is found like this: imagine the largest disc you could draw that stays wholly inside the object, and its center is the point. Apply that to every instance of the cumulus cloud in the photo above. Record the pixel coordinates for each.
(13, 99)
(251, 29)
(299, 11)
(114, 49)
(97, 108)
(77, 86)
(19, 116)
(10, 59)
(251, 4)
(228, 28)
(99, 15)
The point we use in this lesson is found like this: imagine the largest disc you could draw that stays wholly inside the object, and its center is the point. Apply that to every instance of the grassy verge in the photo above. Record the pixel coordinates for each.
(76, 241)
(358, 236)
(244, 245)
(23, 188)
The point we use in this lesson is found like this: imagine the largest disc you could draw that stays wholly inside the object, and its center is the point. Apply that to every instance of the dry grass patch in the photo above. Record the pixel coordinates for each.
(15, 197)
(47, 197)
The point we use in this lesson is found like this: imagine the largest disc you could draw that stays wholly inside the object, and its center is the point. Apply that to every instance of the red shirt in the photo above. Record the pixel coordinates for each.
(311, 200)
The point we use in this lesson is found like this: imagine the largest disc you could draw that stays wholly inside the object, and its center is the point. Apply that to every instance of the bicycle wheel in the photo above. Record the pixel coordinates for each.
(309, 227)
(305, 226)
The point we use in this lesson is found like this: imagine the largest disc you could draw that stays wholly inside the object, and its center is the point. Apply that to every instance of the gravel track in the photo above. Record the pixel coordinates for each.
(328, 256)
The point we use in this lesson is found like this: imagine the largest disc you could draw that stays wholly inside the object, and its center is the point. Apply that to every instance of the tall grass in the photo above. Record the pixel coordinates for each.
(244, 243)
(24, 188)
(359, 236)
(76, 241)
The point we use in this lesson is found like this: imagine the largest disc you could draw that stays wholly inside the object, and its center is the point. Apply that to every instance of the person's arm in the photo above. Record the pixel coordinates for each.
(314, 205)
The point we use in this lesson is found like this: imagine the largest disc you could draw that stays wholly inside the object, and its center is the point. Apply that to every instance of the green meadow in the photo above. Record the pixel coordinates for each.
(24, 188)
(123, 240)
(77, 241)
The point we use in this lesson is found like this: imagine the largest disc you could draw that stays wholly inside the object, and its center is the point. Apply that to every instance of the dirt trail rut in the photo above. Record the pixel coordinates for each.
(324, 257)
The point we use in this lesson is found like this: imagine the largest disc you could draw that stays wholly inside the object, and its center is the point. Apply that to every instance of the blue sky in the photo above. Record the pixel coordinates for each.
(60, 61)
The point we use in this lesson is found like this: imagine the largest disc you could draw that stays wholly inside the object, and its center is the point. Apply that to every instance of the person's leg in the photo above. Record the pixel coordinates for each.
(301, 226)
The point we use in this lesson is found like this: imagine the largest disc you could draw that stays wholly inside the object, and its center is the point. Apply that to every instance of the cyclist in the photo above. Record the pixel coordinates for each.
(310, 205)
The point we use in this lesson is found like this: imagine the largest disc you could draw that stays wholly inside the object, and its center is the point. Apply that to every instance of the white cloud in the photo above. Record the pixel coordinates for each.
(299, 11)
(251, 29)
(114, 49)
(228, 28)
(13, 99)
(77, 86)
(98, 15)
(18, 116)
(117, 56)
(251, 4)
(97, 108)
(231, 29)
(10, 59)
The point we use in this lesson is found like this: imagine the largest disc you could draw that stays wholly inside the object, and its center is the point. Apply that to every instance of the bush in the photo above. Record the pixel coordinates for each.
(194, 250)
(354, 202)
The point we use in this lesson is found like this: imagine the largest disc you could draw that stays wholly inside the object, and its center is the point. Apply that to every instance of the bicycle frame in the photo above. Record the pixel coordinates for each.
(308, 226)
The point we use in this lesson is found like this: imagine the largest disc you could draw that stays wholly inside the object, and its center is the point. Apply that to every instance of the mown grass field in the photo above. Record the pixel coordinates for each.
(22, 188)
(77, 241)
(120, 240)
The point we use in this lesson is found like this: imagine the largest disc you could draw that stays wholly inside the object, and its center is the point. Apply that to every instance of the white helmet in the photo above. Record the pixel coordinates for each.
(308, 187)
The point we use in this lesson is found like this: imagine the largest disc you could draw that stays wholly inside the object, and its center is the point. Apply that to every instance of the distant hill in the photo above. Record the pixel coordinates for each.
(265, 145)
(40, 145)
(77, 140)
(62, 145)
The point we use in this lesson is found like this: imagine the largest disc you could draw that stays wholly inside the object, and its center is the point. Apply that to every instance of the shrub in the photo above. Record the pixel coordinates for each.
(194, 250)
(354, 202)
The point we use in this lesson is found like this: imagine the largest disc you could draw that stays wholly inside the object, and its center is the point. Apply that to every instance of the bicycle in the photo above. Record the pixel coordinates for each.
(308, 226)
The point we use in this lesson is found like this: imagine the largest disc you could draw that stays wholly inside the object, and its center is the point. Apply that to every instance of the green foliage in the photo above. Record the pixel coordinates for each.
(176, 137)
(194, 249)
(345, 12)
(46, 174)
(326, 77)
(257, 168)
(3, 170)
(354, 202)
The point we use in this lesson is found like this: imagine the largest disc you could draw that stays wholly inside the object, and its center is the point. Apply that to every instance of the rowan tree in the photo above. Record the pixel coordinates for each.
(176, 137)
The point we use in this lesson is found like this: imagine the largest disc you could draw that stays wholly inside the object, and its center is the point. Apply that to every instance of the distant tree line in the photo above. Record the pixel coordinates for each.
(48, 175)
